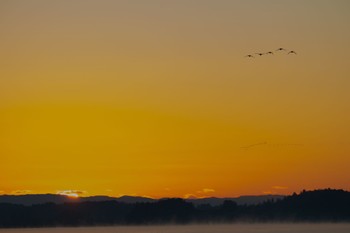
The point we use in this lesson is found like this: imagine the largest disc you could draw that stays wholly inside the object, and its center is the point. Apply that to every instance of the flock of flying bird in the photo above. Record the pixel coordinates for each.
(271, 53)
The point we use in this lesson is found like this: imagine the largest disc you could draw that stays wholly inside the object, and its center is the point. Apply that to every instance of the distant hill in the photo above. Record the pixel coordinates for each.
(33, 199)
(328, 205)
(242, 200)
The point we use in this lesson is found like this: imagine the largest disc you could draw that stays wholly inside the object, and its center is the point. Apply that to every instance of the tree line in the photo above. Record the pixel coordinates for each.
(308, 206)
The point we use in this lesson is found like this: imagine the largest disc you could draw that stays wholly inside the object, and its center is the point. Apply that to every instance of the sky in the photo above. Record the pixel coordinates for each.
(156, 98)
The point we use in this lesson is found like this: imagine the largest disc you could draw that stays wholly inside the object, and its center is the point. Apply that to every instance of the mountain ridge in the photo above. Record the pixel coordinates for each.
(327, 205)
(33, 199)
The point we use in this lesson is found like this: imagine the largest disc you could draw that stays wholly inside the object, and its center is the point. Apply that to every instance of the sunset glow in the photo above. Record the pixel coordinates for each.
(71, 195)
(157, 98)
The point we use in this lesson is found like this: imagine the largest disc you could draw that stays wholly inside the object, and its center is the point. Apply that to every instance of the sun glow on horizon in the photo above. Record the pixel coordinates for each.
(70, 193)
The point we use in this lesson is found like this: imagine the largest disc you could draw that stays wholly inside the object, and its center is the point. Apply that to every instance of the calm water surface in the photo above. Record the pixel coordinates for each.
(234, 228)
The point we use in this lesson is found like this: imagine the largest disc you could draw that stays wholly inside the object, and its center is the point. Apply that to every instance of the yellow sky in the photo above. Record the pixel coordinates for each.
(156, 98)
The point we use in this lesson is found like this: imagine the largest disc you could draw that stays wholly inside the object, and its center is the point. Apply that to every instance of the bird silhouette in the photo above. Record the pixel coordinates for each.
(272, 52)
(280, 49)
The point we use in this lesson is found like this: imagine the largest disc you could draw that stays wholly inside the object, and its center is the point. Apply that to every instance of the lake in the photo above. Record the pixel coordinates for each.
(228, 228)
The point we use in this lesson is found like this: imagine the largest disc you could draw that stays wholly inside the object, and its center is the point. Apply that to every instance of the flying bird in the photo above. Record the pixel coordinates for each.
(280, 49)
(249, 55)
(269, 53)
(292, 52)
(260, 54)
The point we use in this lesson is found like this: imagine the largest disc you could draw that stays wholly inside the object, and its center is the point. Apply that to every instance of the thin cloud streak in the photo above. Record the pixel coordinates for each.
(279, 187)
(24, 191)
(71, 193)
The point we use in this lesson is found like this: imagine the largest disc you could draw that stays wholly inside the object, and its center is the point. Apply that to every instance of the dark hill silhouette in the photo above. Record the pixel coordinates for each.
(133, 199)
(33, 199)
(242, 200)
(326, 205)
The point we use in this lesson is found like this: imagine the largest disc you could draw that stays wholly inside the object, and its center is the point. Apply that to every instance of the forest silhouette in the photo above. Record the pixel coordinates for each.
(327, 205)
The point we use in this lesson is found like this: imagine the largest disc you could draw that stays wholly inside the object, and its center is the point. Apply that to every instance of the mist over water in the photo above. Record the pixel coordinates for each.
(227, 228)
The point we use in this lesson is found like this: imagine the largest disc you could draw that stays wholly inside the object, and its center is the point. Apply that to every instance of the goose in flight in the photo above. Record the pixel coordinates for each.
(269, 53)
(280, 49)
(260, 54)
(249, 55)
(292, 52)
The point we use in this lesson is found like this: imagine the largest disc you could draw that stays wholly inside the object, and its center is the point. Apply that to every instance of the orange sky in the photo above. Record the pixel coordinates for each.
(156, 98)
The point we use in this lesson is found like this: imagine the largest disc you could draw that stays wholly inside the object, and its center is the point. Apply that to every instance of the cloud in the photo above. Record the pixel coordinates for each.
(21, 191)
(190, 196)
(127, 194)
(206, 190)
(199, 194)
(253, 145)
(268, 192)
(147, 196)
(109, 190)
(279, 187)
(275, 190)
(71, 193)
